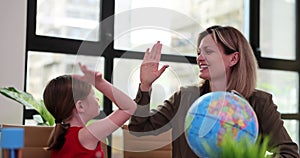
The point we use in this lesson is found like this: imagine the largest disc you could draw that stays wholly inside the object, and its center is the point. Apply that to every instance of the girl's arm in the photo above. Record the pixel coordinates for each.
(100, 129)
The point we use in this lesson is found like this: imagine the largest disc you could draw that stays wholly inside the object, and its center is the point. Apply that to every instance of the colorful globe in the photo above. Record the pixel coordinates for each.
(213, 115)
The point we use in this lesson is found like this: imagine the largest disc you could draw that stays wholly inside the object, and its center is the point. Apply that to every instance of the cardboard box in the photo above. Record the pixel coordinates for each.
(35, 141)
(159, 146)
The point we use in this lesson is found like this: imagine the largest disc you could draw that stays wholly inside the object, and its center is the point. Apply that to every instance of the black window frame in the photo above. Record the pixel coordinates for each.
(271, 63)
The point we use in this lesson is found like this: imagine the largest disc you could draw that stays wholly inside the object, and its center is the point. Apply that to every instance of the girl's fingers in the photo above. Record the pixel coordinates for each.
(77, 76)
(82, 68)
(85, 70)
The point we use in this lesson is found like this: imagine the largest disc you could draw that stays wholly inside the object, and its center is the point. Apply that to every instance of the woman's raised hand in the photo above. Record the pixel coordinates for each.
(149, 69)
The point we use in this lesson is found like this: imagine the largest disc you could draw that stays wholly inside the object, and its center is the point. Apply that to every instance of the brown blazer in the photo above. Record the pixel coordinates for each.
(171, 115)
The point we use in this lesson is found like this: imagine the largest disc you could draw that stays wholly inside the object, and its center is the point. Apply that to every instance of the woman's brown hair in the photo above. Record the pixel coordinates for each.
(243, 74)
(60, 96)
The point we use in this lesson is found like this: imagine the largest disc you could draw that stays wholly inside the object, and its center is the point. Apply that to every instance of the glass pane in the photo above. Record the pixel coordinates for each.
(175, 23)
(292, 127)
(277, 29)
(72, 19)
(42, 67)
(283, 85)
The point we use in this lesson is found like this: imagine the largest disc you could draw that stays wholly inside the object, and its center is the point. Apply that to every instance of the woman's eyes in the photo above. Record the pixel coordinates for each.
(209, 51)
(205, 52)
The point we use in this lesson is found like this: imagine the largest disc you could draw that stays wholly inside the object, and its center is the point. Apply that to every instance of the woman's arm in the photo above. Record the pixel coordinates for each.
(148, 121)
(271, 124)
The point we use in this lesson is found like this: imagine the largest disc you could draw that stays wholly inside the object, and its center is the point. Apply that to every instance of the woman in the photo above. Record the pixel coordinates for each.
(72, 102)
(226, 63)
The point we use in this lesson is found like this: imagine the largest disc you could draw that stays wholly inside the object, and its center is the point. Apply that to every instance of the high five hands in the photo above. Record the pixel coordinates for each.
(149, 69)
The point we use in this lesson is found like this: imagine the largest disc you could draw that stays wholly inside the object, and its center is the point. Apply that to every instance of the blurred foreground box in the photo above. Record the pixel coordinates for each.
(159, 146)
(35, 141)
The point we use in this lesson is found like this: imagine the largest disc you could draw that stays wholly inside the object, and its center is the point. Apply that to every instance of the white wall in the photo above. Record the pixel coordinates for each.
(12, 52)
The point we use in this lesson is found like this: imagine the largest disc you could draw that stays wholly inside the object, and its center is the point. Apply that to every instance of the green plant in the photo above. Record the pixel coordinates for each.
(28, 100)
(230, 148)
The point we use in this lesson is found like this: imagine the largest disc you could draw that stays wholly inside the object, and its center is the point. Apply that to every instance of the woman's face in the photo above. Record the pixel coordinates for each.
(213, 63)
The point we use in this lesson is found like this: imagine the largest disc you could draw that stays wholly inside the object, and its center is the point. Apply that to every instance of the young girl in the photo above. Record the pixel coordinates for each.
(72, 102)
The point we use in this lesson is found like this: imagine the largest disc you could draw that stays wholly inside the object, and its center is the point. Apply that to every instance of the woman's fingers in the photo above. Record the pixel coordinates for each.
(162, 70)
(153, 50)
(147, 54)
(154, 54)
(157, 53)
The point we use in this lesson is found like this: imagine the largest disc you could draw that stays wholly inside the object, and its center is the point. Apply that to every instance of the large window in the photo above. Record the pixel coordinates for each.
(278, 15)
(111, 36)
(176, 23)
(44, 66)
(70, 19)
(277, 32)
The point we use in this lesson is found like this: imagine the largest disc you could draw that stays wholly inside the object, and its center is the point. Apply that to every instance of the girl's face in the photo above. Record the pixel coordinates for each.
(213, 63)
(91, 105)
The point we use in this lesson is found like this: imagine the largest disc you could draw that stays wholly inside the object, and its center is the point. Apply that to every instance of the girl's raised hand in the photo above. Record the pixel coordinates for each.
(88, 75)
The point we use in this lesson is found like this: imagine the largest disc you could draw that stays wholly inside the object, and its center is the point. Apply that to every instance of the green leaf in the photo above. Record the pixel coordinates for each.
(28, 100)
(231, 148)
(46, 114)
(22, 97)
